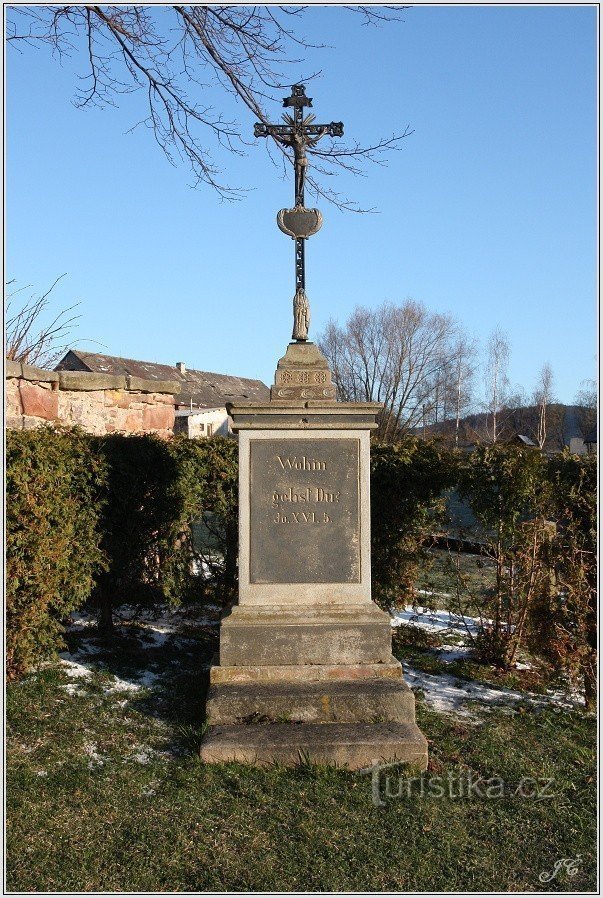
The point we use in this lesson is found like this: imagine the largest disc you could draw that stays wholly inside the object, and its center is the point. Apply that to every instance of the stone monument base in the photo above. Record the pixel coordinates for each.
(310, 682)
(354, 745)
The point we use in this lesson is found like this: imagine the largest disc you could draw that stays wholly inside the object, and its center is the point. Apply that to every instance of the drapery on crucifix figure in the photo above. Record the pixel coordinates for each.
(298, 133)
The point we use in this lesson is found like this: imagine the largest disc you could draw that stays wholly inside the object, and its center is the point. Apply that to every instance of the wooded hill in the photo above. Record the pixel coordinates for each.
(563, 423)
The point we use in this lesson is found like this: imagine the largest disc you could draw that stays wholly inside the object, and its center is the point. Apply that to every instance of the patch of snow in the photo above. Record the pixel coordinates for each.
(144, 680)
(449, 694)
(148, 679)
(73, 689)
(41, 773)
(521, 665)
(436, 621)
(449, 653)
(125, 612)
(566, 700)
(96, 760)
(119, 685)
(150, 789)
(143, 756)
(74, 668)
(80, 620)
(157, 635)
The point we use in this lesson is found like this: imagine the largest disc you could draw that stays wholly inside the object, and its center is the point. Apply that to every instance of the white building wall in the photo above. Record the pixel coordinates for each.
(202, 423)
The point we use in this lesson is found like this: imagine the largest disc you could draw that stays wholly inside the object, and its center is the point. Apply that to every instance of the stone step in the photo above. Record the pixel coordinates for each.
(276, 673)
(250, 635)
(368, 701)
(355, 745)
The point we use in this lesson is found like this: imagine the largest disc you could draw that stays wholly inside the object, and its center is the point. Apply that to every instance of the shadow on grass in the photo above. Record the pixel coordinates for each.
(163, 671)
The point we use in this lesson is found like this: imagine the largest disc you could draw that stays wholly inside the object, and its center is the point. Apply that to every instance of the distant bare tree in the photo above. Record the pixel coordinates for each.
(398, 355)
(33, 335)
(586, 400)
(171, 53)
(543, 397)
(496, 381)
(462, 376)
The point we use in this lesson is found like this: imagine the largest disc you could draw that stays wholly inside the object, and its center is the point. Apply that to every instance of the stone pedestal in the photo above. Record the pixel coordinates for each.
(305, 666)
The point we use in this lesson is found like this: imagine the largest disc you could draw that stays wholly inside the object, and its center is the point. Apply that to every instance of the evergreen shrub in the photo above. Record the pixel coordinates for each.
(407, 506)
(55, 490)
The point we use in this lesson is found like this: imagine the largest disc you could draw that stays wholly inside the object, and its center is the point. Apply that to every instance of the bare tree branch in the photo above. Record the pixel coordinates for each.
(397, 354)
(34, 334)
(172, 53)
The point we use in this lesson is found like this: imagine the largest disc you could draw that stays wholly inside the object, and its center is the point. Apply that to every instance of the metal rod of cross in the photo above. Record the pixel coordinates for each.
(299, 132)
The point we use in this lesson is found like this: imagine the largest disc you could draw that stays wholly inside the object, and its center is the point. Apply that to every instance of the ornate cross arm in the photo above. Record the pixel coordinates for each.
(333, 129)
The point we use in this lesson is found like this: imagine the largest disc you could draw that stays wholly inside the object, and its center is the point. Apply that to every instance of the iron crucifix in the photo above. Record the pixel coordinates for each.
(298, 133)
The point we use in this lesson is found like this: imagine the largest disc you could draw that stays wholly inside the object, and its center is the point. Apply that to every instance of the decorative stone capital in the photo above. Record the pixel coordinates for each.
(303, 374)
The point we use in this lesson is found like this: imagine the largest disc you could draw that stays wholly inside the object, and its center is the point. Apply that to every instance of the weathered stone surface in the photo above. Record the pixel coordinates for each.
(303, 374)
(355, 745)
(275, 673)
(99, 408)
(161, 418)
(144, 385)
(90, 380)
(364, 701)
(12, 398)
(30, 372)
(37, 402)
(120, 398)
(86, 409)
(133, 423)
(13, 369)
(31, 423)
(304, 511)
(302, 355)
(305, 635)
(351, 587)
(304, 415)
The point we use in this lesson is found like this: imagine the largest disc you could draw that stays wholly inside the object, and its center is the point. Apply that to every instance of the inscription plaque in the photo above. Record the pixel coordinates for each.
(304, 511)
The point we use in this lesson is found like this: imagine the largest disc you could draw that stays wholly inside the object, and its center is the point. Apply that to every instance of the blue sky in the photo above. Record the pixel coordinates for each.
(488, 211)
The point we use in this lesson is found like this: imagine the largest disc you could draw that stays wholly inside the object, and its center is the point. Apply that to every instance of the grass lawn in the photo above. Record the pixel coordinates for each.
(106, 792)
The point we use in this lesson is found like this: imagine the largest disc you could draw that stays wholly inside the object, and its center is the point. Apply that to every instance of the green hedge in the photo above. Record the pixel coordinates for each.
(156, 492)
(55, 489)
(112, 519)
(407, 482)
(204, 491)
(137, 520)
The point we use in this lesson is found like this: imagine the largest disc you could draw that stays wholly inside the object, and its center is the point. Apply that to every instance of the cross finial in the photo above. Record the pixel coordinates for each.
(298, 97)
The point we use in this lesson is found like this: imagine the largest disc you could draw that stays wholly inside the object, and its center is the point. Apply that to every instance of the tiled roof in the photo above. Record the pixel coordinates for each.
(204, 389)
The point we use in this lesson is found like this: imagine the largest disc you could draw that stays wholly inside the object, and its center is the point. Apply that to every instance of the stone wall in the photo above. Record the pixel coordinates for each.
(99, 403)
